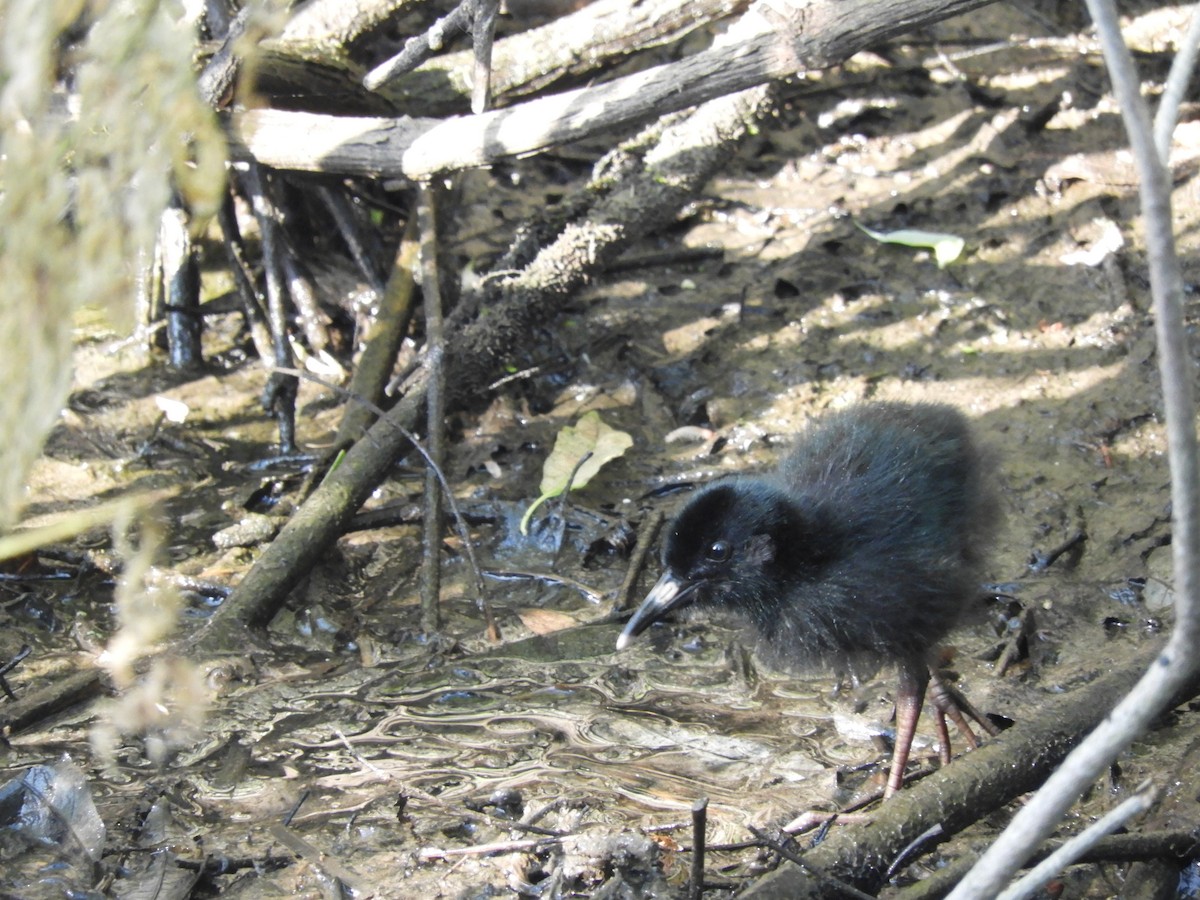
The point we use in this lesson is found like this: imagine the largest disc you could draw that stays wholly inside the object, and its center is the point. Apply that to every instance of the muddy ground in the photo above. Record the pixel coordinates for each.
(401, 754)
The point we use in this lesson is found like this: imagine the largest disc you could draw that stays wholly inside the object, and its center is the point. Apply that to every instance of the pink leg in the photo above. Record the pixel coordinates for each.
(946, 701)
(910, 694)
(943, 732)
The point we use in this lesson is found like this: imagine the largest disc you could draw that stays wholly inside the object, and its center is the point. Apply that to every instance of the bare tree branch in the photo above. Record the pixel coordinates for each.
(773, 40)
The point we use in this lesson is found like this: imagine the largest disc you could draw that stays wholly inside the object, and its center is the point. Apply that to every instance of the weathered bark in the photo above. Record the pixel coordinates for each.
(591, 40)
(771, 41)
(330, 27)
(315, 58)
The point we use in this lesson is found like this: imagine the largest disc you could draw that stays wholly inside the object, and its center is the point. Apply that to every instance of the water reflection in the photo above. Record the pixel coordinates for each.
(645, 733)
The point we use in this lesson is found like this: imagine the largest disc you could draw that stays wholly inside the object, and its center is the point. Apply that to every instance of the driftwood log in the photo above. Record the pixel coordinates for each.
(320, 56)
(773, 40)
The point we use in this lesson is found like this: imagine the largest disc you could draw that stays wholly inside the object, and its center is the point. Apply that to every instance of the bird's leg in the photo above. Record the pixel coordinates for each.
(910, 694)
(939, 719)
(949, 702)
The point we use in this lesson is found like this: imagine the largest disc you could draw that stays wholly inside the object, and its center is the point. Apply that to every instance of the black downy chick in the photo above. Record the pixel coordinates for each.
(867, 541)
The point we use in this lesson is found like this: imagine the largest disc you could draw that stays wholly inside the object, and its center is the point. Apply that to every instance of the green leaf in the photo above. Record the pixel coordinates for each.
(589, 436)
(946, 247)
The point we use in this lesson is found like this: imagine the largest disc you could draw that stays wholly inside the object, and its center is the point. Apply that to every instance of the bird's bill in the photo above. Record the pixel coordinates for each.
(669, 592)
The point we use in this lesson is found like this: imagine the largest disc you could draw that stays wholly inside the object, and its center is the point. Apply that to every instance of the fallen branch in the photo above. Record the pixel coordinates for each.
(577, 45)
(315, 55)
(773, 40)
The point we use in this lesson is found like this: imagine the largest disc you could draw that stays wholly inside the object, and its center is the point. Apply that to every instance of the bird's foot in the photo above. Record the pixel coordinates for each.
(948, 702)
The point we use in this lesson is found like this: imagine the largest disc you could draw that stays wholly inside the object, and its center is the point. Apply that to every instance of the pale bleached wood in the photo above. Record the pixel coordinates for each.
(314, 57)
(579, 45)
(776, 38)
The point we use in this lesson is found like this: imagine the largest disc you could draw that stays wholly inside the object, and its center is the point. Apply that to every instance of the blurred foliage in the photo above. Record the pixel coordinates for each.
(100, 120)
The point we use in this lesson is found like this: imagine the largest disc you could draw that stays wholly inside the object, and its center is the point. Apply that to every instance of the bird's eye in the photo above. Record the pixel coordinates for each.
(719, 551)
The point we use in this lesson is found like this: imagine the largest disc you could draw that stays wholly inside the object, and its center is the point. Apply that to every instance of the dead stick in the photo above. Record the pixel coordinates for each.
(417, 49)
(699, 826)
(435, 408)
(637, 562)
(279, 395)
(483, 31)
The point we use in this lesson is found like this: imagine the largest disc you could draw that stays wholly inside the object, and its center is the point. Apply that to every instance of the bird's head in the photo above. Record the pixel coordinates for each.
(724, 547)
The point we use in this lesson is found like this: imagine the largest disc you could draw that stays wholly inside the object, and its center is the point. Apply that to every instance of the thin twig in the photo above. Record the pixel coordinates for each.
(483, 32)
(295, 810)
(279, 395)
(562, 508)
(1175, 88)
(435, 408)
(361, 242)
(637, 561)
(699, 826)
(460, 522)
(239, 267)
(418, 49)
(9, 666)
(1075, 848)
